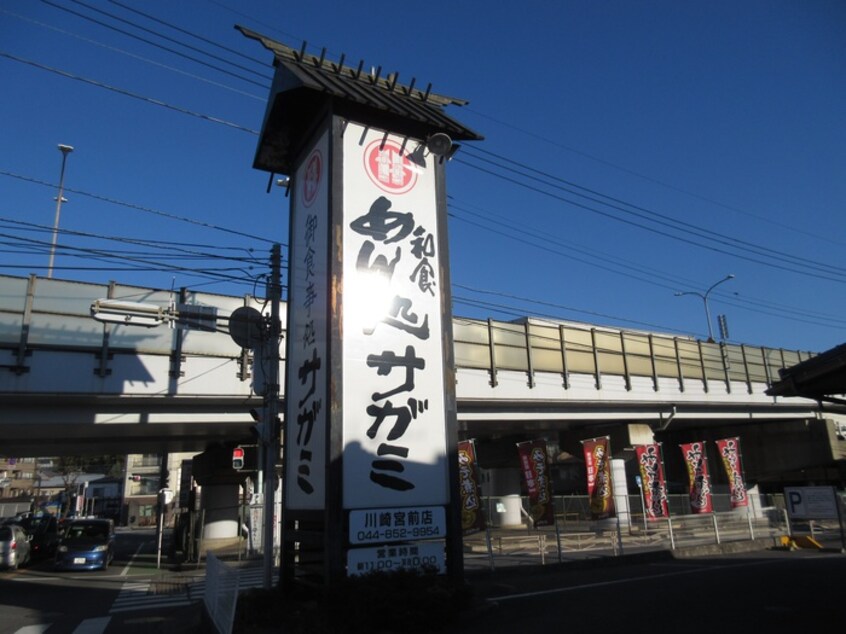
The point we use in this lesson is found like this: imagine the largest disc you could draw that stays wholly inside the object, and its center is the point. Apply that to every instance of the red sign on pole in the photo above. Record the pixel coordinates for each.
(535, 467)
(697, 474)
(598, 464)
(652, 480)
(729, 450)
(472, 514)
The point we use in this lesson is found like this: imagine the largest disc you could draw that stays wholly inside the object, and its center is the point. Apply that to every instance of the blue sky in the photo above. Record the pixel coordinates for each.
(632, 150)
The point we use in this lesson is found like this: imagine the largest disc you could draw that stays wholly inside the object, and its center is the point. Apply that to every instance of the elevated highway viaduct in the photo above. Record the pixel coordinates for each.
(72, 385)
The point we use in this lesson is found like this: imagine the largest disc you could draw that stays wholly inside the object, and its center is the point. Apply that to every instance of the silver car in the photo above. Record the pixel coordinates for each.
(14, 546)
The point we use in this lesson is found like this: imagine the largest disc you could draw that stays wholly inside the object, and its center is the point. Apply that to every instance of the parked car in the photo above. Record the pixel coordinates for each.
(44, 530)
(86, 544)
(14, 546)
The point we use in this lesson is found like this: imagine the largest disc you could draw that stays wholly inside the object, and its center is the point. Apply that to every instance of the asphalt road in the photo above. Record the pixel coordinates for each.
(764, 590)
(37, 599)
(771, 591)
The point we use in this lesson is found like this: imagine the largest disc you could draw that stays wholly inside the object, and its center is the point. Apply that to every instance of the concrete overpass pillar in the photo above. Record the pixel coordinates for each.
(219, 503)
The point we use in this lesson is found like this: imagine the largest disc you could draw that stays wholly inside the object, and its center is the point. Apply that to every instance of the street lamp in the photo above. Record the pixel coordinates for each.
(65, 150)
(704, 297)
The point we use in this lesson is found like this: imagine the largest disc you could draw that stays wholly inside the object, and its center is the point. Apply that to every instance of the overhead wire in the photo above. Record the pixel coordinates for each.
(476, 167)
(648, 276)
(154, 44)
(135, 56)
(141, 208)
(607, 214)
(189, 33)
(162, 246)
(640, 211)
(100, 254)
(127, 93)
(547, 139)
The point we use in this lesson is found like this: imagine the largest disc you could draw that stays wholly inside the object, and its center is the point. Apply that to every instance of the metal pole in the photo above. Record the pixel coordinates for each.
(708, 317)
(65, 150)
(838, 503)
(672, 537)
(642, 505)
(716, 528)
(270, 439)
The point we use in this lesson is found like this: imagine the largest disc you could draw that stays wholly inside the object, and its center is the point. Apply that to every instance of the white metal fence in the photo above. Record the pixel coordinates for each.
(221, 594)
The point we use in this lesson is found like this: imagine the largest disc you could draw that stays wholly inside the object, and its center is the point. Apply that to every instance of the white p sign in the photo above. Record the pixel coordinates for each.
(810, 503)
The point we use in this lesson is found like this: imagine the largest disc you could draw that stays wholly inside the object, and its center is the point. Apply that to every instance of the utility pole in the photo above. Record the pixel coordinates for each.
(270, 436)
(250, 331)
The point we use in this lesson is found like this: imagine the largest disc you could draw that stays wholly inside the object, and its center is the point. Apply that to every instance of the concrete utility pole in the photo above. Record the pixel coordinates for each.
(270, 436)
(65, 150)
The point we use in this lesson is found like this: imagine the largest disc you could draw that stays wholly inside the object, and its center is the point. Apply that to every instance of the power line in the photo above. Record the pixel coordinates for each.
(165, 247)
(549, 141)
(803, 316)
(142, 264)
(650, 215)
(645, 227)
(154, 44)
(527, 176)
(190, 33)
(141, 208)
(174, 41)
(127, 93)
(140, 58)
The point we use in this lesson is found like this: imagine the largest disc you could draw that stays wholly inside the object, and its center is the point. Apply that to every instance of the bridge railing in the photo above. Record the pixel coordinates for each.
(531, 346)
(42, 312)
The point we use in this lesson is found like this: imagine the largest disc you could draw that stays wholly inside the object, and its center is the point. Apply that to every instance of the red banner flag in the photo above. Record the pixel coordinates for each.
(729, 450)
(535, 467)
(598, 464)
(472, 515)
(697, 474)
(652, 480)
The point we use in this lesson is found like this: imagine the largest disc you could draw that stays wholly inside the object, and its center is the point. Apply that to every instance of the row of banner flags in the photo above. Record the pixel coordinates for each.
(534, 465)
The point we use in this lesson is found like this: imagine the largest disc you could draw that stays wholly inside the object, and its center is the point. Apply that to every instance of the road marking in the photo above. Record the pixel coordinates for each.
(128, 565)
(136, 596)
(93, 626)
(539, 593)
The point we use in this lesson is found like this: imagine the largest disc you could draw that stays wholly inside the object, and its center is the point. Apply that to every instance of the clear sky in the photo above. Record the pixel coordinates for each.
(633, 150)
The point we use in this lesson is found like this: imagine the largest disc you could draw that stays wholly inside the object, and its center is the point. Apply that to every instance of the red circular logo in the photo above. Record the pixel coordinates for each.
(387, 165)
(312, 176)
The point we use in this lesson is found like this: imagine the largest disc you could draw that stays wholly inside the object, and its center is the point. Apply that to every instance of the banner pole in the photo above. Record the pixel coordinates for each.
(672, 538)
(838, 503)
(558, 538)
(490, 548)
(745, 490)
(716, 529)
(619, 536)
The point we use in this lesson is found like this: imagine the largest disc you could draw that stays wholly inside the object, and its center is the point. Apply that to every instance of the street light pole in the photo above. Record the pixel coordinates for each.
(65, 150)
(704, 297)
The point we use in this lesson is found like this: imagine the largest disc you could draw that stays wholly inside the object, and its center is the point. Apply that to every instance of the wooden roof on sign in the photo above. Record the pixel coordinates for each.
(304, 83)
